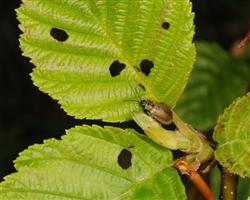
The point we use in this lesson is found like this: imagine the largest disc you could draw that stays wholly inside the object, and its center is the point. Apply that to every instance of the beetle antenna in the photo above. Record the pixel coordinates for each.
(134, 91)
(131, 100)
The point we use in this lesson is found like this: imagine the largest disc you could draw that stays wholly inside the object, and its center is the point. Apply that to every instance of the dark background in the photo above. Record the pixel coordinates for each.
(28, 116)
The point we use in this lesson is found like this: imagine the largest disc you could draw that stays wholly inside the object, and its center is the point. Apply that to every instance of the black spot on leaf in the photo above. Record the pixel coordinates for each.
(146, 66)
(59, 34)
(165, 25)
(124, 159)
(116, 67)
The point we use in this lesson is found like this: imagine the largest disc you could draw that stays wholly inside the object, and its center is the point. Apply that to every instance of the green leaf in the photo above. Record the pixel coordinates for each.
(217, 79)
(232, 133)
(95, 33)
(215, 181)
(84, 165)
(243, 189)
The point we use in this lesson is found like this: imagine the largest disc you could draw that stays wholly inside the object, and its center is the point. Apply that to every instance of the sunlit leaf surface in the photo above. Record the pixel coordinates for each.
(92, 163)
(95, 56)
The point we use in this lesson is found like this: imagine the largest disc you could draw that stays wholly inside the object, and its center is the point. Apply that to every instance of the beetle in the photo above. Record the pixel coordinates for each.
(158, 111)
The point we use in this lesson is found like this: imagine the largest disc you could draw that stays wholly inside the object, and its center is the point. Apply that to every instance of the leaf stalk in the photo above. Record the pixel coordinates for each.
(228, 185)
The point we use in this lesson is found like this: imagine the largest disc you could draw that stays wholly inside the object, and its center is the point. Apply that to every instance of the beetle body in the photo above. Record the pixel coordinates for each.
(158, 111)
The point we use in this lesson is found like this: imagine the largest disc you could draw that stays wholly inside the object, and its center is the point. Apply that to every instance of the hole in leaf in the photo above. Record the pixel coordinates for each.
(116, 67)
(165, 25)
(146, 66)
(59, 34)
(142, 87)
(124, 159)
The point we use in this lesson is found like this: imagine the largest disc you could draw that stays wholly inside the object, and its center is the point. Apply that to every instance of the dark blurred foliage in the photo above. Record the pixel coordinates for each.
(223, 21)
(28, 116)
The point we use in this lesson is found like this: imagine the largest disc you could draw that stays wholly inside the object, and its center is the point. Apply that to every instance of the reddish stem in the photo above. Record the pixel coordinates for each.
(190, 169)
(244, 41)
(209, 167)
(201, 185)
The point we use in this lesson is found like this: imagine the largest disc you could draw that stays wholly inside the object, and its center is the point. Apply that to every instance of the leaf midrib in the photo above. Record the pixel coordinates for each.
(231, 142)
(124, 56)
